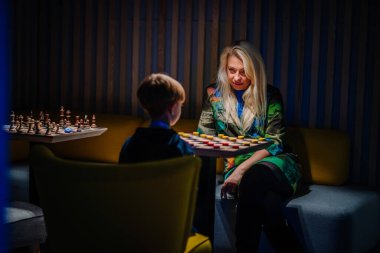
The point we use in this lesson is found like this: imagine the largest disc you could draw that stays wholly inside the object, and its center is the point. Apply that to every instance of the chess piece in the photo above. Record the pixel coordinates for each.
(37, 126)
(62, 115)
(20, 123)
(93, 125)
(21, 118)
(12, 127)
(30, 125)
(57, 129)
(47, 119)
(77, 121)
(86, 121)
(42, 118)
(68, 115)
(48, 127)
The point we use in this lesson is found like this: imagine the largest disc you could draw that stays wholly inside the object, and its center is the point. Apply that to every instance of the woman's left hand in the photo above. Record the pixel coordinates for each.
(230, 184)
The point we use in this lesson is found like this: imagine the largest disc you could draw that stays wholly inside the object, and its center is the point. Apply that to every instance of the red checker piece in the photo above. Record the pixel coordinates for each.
(236, 146)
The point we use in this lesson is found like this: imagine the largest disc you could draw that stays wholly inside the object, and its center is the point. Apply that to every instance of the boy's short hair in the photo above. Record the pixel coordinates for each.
(157, 92)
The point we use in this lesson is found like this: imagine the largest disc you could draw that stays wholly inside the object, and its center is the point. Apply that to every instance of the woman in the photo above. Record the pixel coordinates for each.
(241, 103)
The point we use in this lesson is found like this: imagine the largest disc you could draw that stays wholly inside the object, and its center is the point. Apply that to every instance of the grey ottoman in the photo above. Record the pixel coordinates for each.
(25, 223)
(337, 219)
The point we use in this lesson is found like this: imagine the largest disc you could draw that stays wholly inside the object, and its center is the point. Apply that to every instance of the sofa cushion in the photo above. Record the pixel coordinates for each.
(26, 224)
(324, 154)
(337, 218)
(103, 148)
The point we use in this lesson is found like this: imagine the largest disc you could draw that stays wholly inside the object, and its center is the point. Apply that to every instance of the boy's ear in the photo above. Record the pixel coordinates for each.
(171, 107)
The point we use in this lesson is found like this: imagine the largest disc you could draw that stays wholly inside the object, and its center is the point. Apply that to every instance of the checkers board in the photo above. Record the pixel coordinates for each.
(222, 145)
(54, 137)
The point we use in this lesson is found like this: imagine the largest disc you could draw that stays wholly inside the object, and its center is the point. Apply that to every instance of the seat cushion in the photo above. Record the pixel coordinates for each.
(25, 223)
(338, 218)
(198, 243)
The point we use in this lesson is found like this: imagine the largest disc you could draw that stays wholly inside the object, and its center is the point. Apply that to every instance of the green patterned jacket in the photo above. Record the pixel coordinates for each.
(213, 122)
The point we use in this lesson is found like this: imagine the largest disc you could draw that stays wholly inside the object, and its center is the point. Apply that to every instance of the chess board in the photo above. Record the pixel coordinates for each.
(223, 146)
(63, 134)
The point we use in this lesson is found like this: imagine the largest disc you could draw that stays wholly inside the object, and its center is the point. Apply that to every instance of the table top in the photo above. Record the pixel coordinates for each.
(53, 137)
(223, 146)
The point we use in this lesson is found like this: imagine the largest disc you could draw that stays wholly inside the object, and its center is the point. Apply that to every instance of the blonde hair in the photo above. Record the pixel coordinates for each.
(157, 92)
(255, 102)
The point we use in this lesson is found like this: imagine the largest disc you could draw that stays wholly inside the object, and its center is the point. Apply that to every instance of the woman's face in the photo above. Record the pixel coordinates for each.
(236, 74)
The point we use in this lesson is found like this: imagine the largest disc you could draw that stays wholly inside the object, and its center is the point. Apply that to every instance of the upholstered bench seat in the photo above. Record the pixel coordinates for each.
(25, 223)
(338, 218)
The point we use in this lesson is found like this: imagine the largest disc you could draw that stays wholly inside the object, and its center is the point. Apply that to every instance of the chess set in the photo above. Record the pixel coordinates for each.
(43, 129)
(222, 145)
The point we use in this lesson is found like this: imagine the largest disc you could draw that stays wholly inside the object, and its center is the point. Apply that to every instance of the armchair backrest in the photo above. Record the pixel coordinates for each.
(103, 207)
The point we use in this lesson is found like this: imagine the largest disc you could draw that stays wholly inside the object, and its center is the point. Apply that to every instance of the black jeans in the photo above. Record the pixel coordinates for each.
(263, 194)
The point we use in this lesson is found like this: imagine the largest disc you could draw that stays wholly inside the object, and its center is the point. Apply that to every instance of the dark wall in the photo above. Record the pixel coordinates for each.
(90, 55)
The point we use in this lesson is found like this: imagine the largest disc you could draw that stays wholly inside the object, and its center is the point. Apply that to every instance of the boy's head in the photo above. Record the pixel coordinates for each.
(160, 94)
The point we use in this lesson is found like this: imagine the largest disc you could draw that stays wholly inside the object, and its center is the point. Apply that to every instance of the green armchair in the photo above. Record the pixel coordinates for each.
(105, 207)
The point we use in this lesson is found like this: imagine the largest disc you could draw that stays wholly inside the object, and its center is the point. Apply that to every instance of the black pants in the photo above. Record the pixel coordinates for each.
(263, 194)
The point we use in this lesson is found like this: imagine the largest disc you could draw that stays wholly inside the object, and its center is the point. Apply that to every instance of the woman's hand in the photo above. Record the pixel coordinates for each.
(233, 180)
(230, 184)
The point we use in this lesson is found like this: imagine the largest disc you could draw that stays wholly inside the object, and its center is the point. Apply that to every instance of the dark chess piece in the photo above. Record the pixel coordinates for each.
(30, 125)
(37, 127)
(77, 121)
(68, 115)
(48, 127)
(21, 118)
(12, 127)
(57, 129)
(62, 115)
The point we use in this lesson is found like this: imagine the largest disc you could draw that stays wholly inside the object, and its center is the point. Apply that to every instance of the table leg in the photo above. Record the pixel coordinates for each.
(205, 210)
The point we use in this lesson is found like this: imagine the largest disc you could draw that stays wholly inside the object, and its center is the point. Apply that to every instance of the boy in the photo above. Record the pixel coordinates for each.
(162, 97)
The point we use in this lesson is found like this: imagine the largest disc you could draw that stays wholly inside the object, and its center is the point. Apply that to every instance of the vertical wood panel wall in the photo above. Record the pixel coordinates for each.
(90, 55)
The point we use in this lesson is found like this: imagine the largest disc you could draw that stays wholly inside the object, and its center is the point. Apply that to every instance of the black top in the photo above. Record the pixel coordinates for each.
(153, 143)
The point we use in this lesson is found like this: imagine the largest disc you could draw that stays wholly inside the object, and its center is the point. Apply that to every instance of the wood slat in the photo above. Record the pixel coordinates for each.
(88, 55)
(330, 65)
(214, 41)
(285, 52)
(344, 86)
(112, 26)
(66, 29)
(53, 53)
(100, 55)
(77, 64)
(374, 143)
(200, 58)
(257, 23)
(360, 90)
(271, 40)
(229, 10)
(187, 56)
(42, 54)
(174, 40)
(300, 61)
(148, 38)
(243, 20)
(124, 41)
(315, 65)
(161, 37)
(135, 56)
